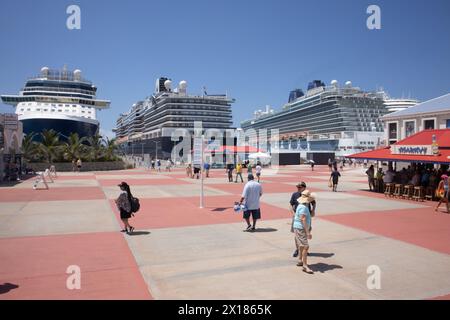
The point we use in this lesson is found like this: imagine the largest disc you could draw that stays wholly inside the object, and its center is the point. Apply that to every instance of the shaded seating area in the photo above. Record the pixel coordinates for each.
(411, 168)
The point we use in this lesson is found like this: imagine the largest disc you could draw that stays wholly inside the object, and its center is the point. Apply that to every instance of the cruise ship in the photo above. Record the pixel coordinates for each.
(335, 119)
(397, 104)
(60, 100)
(147, 128)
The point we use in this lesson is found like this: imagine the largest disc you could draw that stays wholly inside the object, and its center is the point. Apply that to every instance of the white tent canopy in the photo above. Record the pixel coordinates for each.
(259, 155)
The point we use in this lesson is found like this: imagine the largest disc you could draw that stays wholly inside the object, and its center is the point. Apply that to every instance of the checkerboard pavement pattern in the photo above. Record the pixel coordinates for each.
(180, 251)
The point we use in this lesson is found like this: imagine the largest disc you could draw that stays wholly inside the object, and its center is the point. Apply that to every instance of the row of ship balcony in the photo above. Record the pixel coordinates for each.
(59, 90)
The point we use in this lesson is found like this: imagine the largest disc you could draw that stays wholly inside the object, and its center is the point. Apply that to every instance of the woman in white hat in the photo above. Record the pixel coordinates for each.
(302, 225)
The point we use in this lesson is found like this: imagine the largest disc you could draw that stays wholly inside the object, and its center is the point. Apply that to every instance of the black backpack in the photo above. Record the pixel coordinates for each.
(134, 204)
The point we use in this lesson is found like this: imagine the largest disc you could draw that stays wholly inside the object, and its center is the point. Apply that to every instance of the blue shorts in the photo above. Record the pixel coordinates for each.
(256, 214)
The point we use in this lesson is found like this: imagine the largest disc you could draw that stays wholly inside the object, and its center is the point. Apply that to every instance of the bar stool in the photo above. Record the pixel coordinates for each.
(398, 190)
(419, 194)
(408, 191)
(429, 193)
(389, 192)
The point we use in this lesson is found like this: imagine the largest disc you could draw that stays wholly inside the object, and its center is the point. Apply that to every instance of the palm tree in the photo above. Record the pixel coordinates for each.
(29, 147)
(110, 148)
(96, 148)
(50, 145)
(74, 147)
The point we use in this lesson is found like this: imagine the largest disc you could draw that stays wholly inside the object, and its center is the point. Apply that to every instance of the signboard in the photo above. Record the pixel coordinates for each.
(420, 150)
(11, 121)
(198, 144)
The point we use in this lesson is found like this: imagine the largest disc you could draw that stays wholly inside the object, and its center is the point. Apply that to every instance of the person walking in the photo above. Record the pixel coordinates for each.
(74, 165)
(153, 164)
(258, 170)
(330, 164)
(123, 203)
(79, 164)
(302, 224)
(249, 168)
(197, 170)
(206, 167)
(312, 163)
(293, 204)
(230, 168)
(239, 172)
(251, 194)
(371, 177)
(158, 165)
(443, 192)
(189, 171)
(334, 178)
(168, 165)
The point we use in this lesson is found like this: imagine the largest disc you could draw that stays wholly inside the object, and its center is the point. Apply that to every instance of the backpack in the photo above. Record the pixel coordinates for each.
(135, 205)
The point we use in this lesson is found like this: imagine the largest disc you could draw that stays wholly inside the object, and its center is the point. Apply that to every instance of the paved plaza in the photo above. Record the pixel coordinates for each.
(179, 251)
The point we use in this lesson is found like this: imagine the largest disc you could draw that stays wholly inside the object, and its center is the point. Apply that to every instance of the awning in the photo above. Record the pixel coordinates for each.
(386, 155)
(417, 148)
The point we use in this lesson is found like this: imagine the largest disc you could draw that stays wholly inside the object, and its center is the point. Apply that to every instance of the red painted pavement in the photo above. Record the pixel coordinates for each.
(52, 194)
(37, 265)
(168, 213)
(422, 227)
(270, 187)
(141, 182)
(446, 297)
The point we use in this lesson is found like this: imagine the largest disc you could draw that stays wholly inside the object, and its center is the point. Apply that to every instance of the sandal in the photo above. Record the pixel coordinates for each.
(300, 264)
(308, 270)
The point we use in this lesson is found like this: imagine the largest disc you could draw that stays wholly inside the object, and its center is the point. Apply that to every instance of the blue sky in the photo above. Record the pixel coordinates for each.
(257, 51)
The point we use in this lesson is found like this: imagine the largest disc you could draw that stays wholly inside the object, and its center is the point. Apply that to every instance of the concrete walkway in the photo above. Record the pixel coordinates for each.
(179, 251)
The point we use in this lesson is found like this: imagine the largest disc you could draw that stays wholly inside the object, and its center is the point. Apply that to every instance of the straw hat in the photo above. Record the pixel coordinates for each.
(307, 197)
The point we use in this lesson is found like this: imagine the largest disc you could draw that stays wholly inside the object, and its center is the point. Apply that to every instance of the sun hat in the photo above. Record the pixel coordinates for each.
(307, 197)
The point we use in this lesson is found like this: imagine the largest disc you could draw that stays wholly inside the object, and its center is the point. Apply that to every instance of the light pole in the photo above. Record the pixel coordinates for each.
(156, 148)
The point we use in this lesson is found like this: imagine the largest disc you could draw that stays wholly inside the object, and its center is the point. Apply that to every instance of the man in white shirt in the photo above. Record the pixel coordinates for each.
(251, 195)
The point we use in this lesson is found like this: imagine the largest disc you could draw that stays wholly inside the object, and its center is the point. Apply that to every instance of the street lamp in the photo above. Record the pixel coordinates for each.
(156, 147)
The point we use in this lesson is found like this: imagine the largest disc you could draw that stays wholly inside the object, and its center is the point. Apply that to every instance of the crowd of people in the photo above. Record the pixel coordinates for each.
(434, 181)
(302, 203)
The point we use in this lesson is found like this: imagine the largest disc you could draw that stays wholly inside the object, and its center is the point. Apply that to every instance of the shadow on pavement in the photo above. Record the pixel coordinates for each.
(139, 233)
(264, 230)
(6, 287)
(323, 267)
(320, 255)
(220, 209)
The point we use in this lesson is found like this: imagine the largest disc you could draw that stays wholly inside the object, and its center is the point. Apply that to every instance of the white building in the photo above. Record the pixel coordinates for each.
(431, 114)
